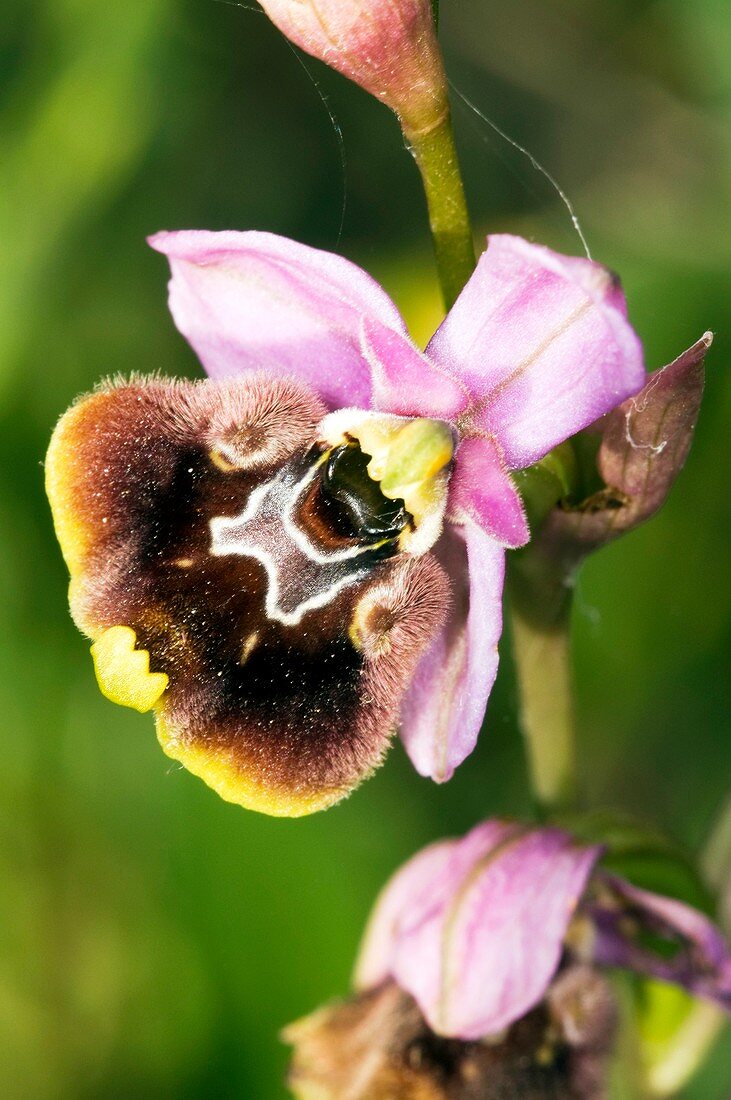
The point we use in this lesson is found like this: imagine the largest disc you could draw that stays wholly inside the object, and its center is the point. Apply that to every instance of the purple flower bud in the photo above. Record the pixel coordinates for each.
(477, 929)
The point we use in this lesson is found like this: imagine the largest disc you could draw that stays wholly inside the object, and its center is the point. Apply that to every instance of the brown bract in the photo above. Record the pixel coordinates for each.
(377, 1046)
(190, 513)
(644, 444)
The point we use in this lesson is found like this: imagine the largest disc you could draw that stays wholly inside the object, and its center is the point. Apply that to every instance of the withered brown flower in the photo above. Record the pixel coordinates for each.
(377, 1046)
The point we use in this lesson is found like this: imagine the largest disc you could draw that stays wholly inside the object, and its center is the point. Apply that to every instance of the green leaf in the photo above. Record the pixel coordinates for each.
(676, 1033)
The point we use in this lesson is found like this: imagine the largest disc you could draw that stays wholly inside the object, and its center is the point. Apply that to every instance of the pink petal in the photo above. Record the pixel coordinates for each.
(408, 884)
(486, 958)
(482, 489)
(444, 708)
(251, 301)
(543, 344)
(416, 893)
(404, 381)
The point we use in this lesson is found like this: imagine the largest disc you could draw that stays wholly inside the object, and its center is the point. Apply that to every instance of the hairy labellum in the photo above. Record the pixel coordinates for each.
(377, 1046)
(244, 577)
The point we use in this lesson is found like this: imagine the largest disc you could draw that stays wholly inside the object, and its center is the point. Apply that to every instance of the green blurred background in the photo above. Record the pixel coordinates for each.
(154, 939)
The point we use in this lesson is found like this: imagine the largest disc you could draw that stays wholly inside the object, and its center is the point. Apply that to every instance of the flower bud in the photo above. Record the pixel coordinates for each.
(478, 974)
(389, 47)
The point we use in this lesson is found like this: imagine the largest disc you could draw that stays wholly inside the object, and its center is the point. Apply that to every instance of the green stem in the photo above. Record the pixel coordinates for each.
(540, 613)
(436, 156)
(541, 606)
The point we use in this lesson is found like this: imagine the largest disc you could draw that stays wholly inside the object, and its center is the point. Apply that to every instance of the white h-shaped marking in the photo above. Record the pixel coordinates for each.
(267, 531)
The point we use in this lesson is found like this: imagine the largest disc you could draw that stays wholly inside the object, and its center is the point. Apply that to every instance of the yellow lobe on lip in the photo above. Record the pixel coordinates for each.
(123, 672)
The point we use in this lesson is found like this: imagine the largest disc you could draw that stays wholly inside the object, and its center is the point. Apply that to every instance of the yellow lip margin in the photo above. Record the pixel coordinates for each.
(234, 784)
(62, 484)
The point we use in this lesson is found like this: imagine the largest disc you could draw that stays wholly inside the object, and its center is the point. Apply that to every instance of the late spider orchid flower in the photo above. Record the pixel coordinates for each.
(476, 929)
(286, 560)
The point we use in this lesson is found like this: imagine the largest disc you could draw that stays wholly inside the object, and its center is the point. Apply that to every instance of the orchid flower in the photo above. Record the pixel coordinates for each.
(292, 558)
(475, 929)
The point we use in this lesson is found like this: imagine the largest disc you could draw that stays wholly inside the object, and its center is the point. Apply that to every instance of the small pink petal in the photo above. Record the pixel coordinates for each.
(486, 958)
(444, 708)
(543, 344)
(255, 301)
(404, 381)
(482, 489)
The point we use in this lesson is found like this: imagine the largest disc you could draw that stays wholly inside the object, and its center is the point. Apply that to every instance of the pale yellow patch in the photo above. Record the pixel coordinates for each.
(408, 458)
(355, 631)
(248, 647)
(545, 1055)
(220, 461)
(361, 631)
(123, 672)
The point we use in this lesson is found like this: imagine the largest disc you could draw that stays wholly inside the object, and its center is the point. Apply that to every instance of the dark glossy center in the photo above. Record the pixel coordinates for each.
(356, 502)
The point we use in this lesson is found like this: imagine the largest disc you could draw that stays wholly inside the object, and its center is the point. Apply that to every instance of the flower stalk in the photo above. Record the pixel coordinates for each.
(436, 157)
(540, 614)
(578, 498)
(540, 617)
(392, 51)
